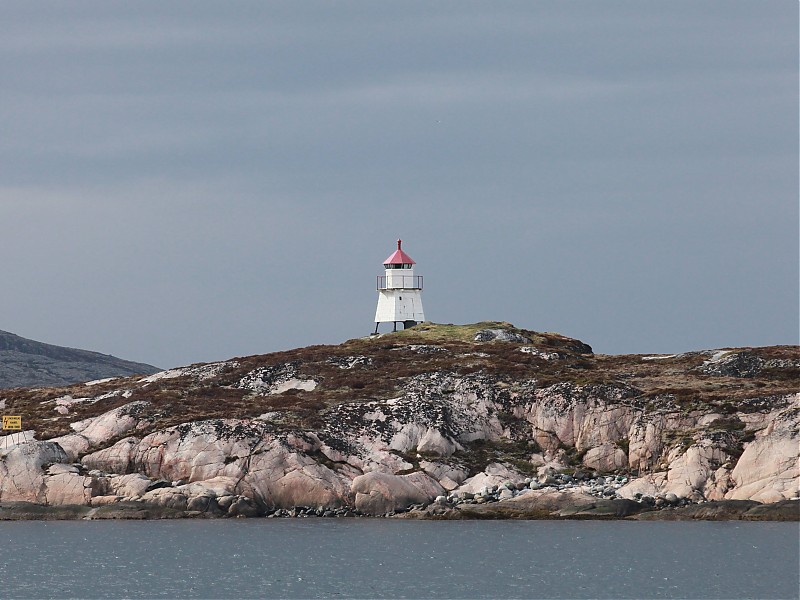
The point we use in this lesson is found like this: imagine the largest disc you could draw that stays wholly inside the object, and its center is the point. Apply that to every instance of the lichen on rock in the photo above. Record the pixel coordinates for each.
(532, 420)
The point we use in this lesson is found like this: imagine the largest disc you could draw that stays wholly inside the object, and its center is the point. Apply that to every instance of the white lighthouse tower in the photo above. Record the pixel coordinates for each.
(399, 292)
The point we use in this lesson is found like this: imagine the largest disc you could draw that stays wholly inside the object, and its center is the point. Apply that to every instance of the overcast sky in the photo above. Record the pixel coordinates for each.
(192, 181)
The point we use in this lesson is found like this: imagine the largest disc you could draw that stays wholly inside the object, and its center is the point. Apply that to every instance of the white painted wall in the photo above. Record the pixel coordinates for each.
(398, 303)
(398, 278)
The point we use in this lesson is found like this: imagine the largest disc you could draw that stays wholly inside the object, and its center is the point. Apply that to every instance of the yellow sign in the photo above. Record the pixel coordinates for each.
(12, 423)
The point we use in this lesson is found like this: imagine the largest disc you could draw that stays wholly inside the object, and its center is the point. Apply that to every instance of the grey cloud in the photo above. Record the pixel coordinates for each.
(191, 181)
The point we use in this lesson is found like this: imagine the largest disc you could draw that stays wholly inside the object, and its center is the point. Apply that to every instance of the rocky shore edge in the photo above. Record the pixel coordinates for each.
(545, 506)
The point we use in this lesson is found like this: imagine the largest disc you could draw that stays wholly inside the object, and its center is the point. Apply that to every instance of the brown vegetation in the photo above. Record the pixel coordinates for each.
(391, 360)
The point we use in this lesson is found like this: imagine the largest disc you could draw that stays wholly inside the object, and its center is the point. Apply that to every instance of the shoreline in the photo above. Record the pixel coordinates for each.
(602, 510)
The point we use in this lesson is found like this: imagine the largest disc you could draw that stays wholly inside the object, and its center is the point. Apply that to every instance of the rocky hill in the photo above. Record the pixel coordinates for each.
(439, 421)
(26, 363)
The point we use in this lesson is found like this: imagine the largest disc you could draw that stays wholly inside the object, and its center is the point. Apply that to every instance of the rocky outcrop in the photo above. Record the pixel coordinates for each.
(768, 468)
(99, 430)
(501, 335)
(476, 442)
(276, 380)
(246, 466)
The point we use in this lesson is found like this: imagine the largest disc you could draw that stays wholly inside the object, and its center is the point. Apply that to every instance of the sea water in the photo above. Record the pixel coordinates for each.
(379, 558)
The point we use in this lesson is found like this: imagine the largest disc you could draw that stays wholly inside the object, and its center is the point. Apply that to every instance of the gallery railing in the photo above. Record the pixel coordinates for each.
(400, 282)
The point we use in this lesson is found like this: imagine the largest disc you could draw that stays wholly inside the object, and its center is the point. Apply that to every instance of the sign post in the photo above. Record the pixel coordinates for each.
(12, 423)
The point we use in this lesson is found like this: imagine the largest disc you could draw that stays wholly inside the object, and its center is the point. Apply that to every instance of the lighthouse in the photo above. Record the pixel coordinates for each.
(399, 292)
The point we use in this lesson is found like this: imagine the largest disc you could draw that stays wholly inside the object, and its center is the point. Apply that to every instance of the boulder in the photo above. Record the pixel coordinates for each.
(167, 497)
(421, 438)
(73, 445)
(449, 477)
(768, 469)
(689, 471)
(112, 423)
(380, 493)
(606, 457)
(21, 475)
(652, 484)
(132, 485)
(500, 335)
(281, 478)
(68, 488)
(495, 474)
(115, 459)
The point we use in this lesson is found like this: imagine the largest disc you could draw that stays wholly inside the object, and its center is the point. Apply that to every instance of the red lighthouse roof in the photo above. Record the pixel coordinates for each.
(399, 257)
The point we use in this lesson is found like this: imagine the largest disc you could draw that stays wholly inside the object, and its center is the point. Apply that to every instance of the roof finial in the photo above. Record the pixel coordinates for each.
(399, 243)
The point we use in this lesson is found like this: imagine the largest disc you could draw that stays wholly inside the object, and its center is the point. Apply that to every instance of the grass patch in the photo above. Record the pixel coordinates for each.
(431, 333)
